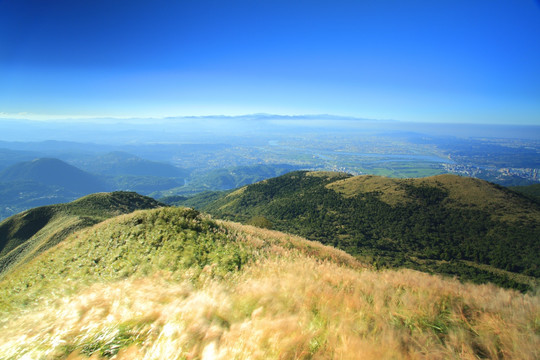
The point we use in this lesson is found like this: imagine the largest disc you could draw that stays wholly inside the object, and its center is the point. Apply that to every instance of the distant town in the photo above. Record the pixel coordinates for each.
(500, 174)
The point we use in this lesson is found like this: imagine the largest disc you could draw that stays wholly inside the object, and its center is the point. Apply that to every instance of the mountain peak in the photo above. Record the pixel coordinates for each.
(169, 283)
(51, 171)
(29, 233)
(483, 228)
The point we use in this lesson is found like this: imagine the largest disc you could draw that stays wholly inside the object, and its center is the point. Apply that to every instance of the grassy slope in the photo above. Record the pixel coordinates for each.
(463, 192)
(445, 224)
(27, 234)
(172, 284)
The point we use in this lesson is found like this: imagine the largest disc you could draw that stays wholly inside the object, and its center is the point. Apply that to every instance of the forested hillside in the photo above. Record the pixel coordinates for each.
(532, 191)
(445, 224)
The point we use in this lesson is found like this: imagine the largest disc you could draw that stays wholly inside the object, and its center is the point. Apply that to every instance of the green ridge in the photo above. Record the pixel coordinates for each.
(145, 242)
(438, 224)
(532, 191)
(25, 235)
(171, 283)
(54, 172)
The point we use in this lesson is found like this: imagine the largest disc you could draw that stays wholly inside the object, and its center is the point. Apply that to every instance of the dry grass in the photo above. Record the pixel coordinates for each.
(391, 192)
(462, 192)
(328, 174)
(479, 194)
(287, 307)
(295, 299)
(277, 242)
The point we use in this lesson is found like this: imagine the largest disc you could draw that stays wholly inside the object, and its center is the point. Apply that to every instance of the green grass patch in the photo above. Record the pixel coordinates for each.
(140, 244)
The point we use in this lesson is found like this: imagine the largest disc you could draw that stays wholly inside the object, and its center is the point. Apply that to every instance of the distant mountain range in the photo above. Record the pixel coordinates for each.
(45, 181)
(10, 157)
(446, 224)
(53, 172)
(121, 163)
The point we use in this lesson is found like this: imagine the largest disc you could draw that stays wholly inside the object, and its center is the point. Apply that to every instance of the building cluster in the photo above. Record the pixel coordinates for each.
(477, 171)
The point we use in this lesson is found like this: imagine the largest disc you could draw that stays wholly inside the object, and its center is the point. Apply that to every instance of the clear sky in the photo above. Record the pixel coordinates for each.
(474, 61)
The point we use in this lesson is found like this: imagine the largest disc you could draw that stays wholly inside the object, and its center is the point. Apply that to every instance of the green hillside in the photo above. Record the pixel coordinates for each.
(532, 191)
(25, 235)
(445, 224)
(171, 283)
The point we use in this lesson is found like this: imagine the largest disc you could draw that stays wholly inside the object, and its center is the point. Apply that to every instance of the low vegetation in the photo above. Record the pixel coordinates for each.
(532, 191)
(171, 283)
(444, 224)
(26, 235)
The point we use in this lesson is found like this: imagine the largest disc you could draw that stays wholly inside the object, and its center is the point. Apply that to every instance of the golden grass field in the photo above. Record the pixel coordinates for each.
(288, 298)
(463, 192)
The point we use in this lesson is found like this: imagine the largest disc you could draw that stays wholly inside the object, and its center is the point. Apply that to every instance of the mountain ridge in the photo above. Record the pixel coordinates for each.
(52, 171)
(25, 235)
(173, 283)
(46, 181)
(123, 163)
(462, 192)
(437, 224)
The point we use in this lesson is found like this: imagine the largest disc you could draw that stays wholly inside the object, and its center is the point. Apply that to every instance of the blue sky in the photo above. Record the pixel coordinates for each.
(429, 61)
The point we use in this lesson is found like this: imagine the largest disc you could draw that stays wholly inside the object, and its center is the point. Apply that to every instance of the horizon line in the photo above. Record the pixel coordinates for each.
(64, 118)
